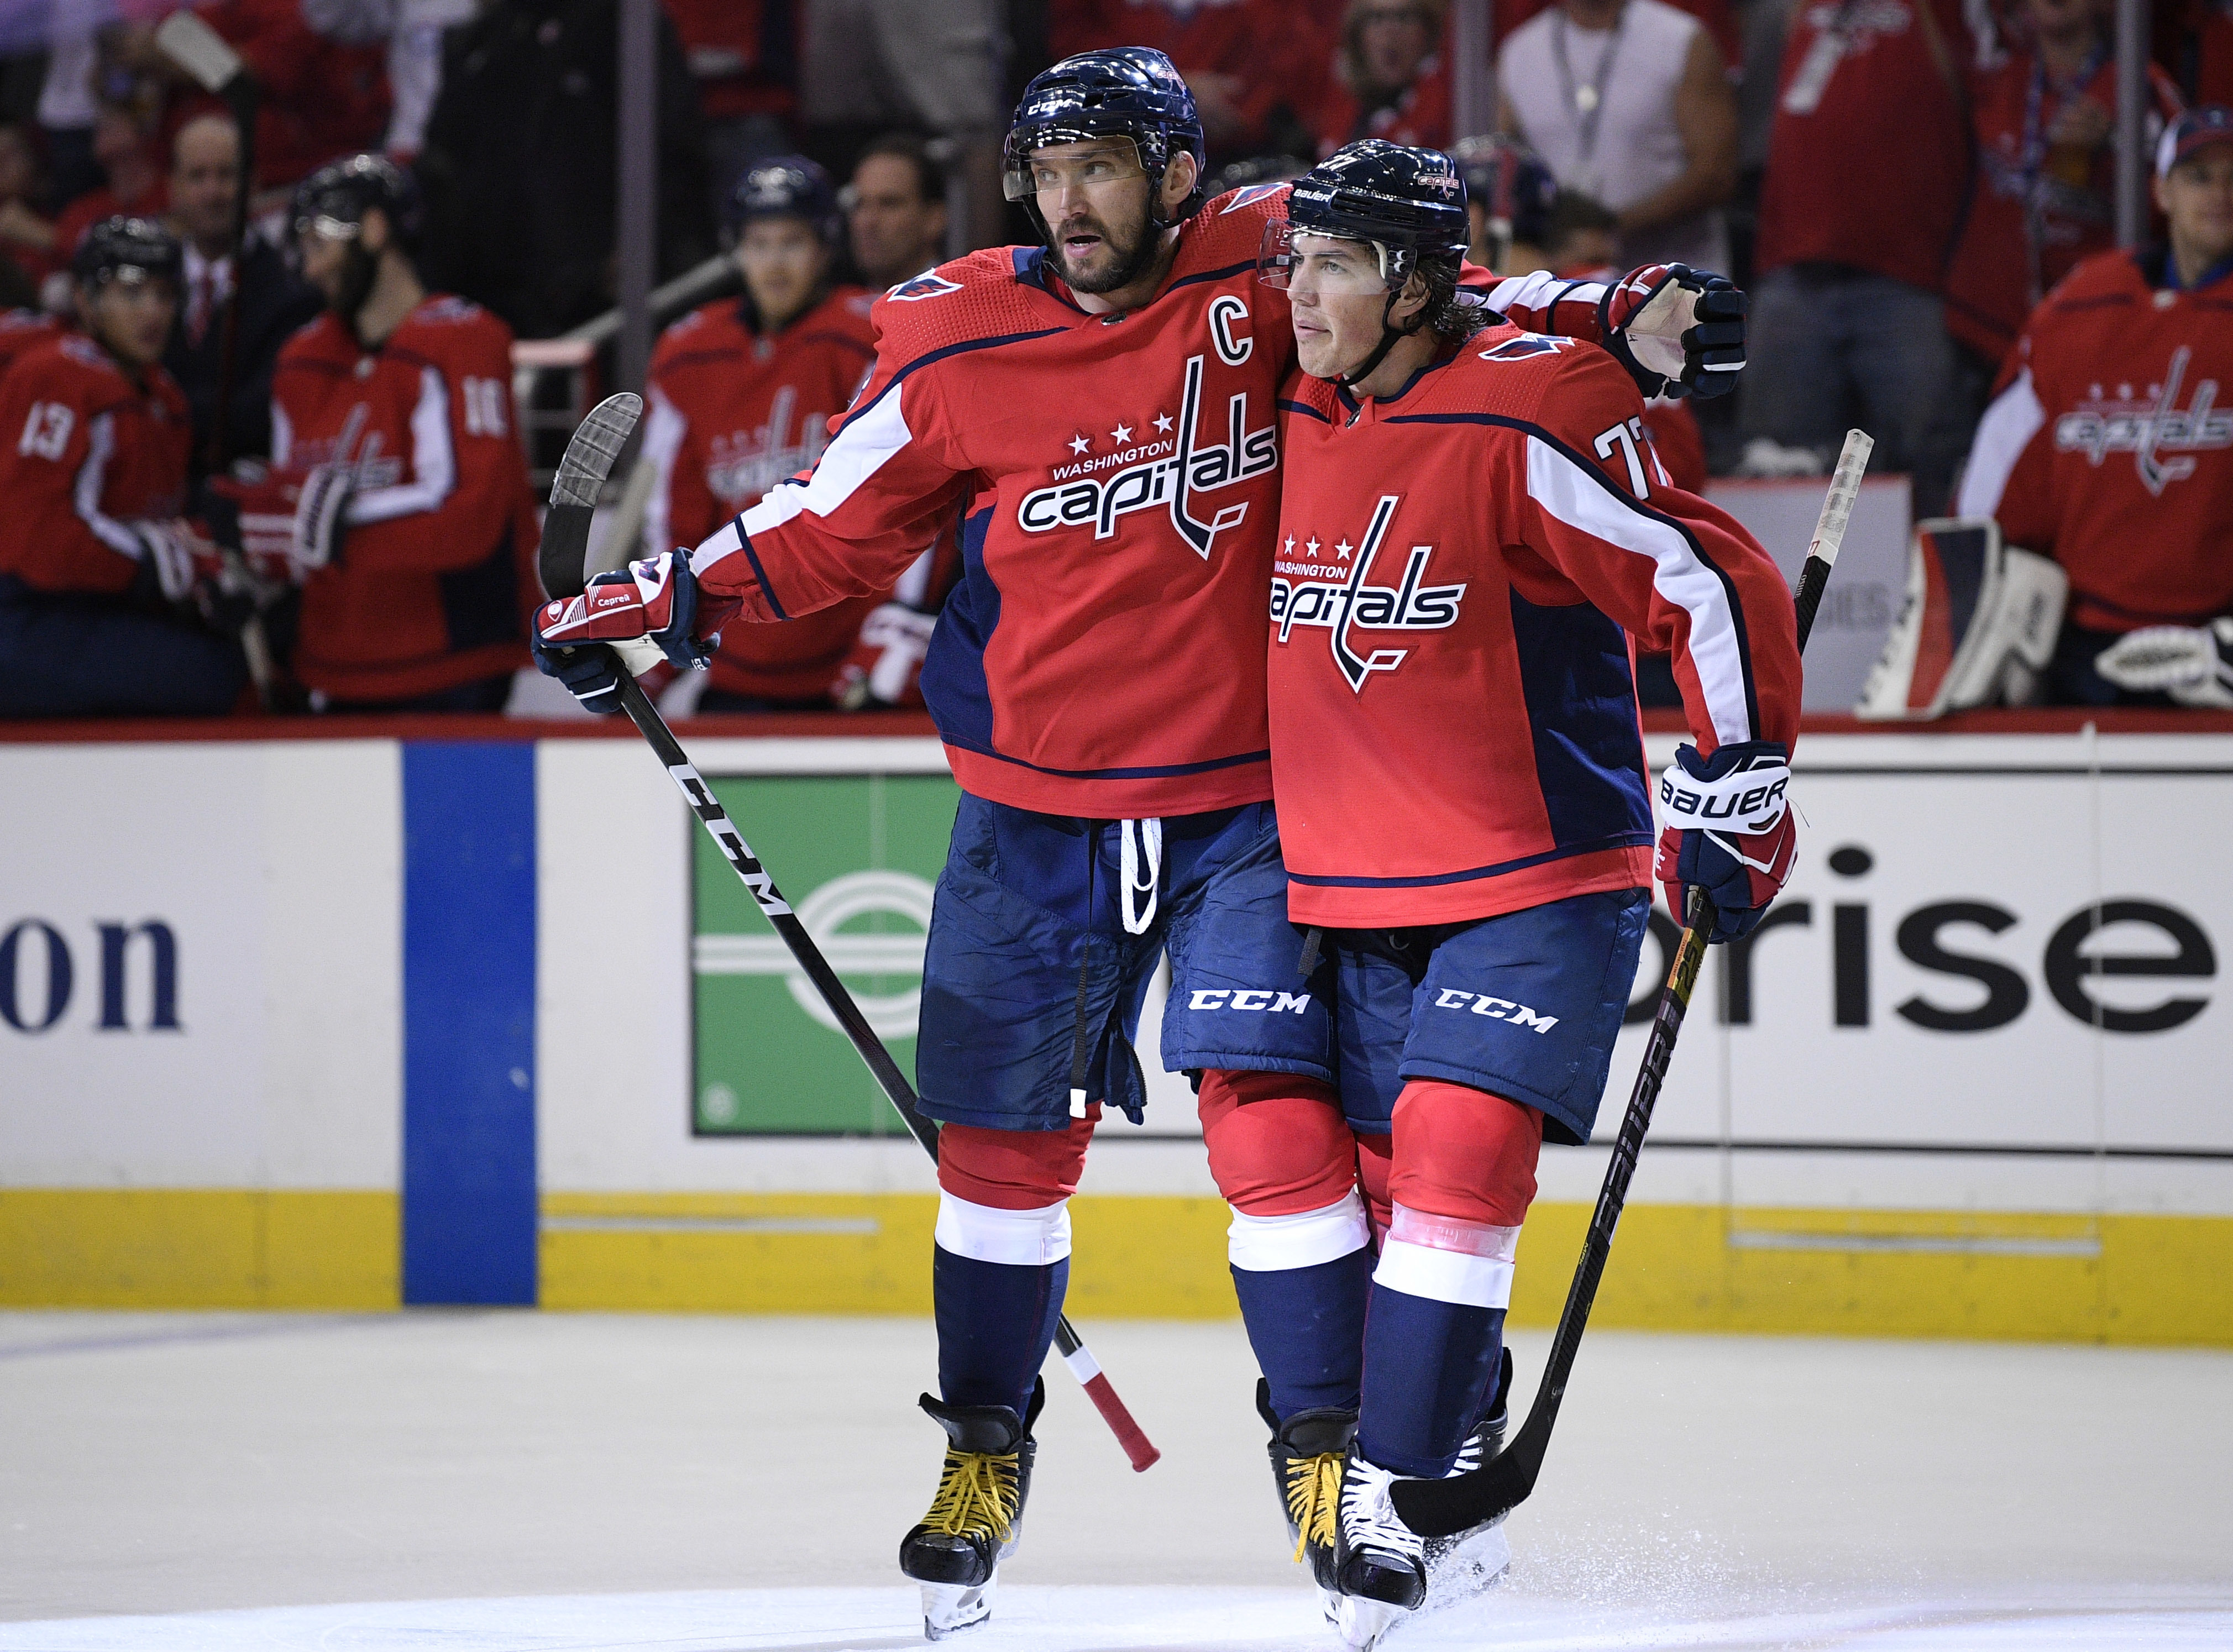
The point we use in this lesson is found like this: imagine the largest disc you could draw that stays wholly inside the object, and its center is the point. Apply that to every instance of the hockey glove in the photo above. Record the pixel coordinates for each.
(286, 526)
(630, 619)
(1678, 331)
(1729, 831)
(168, 554)
(2193, 664)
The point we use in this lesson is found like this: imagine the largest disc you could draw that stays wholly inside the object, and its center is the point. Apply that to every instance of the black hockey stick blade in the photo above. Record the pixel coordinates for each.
(590, 457)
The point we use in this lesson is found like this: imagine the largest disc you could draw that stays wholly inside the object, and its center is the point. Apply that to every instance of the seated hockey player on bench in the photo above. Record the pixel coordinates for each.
(2110, 446)
(1472, 529)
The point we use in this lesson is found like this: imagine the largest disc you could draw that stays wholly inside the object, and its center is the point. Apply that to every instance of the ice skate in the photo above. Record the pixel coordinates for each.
(1382, 1566)
(1468, 1562)
(976, 1519)
(1307, 1453)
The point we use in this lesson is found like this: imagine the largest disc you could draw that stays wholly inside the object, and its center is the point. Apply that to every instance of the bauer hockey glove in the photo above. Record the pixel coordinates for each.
(1729, 831)
(631, 618)
(1678, 331)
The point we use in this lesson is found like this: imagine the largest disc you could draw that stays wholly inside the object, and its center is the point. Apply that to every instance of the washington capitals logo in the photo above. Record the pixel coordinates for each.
(2148, 429)
(1165, 477)
(928, 285)
(1345, 603)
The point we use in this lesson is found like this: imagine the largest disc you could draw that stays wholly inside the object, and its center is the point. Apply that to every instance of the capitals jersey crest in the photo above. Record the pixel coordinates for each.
(1346, 604)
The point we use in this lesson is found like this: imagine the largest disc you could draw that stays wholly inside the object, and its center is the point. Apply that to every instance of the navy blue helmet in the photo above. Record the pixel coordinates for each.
(119, 244)
(334, 199)
(1410, 203)
(1128, 92)
(787, 186)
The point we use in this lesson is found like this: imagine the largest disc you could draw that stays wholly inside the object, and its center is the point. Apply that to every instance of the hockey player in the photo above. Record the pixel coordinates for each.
(397, 486)
(95, 558)
(1102, 404)
(741, 395)
(1472, 529)
(2110, 446)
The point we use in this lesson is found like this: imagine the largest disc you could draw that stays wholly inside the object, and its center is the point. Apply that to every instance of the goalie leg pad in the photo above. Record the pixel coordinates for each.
(1978, 625)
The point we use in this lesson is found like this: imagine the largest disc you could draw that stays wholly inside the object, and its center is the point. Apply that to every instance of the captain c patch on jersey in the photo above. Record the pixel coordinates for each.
(1333, 594)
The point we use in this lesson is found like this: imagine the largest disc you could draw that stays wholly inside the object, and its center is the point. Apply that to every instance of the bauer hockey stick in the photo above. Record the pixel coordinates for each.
(589, 459)
(1438, 1508)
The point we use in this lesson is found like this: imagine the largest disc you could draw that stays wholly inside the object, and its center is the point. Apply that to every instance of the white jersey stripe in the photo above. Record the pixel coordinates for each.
(855, 454)
(663, 441)
(92, 477)
(1581, 496)
(2003, 433)
(433, 461)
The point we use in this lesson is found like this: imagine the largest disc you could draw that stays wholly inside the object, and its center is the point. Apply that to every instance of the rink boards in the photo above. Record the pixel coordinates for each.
(350, 1022)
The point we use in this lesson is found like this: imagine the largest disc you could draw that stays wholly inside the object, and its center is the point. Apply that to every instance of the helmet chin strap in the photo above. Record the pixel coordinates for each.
(1389, 336)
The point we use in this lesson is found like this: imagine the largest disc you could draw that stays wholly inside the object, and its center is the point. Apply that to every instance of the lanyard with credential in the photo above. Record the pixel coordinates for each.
(1586, 101)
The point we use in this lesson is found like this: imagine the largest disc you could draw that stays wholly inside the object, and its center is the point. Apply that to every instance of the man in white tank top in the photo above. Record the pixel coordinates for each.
(1629, 101)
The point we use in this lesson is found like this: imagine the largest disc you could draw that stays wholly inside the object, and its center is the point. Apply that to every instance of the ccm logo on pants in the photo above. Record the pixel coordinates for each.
(1248, 998)
(1496, 1009)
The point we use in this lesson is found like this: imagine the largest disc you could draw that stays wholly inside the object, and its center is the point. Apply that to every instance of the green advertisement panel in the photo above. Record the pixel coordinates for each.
(856, 856)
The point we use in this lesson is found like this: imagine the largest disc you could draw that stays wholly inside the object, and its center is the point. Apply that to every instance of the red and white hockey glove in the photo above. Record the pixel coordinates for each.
(1679, 332)
(631, 619)
(288, 524)
(885, 667)
(1728, 831)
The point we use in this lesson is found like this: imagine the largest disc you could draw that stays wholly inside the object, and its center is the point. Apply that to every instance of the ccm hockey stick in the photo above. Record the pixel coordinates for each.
(589, 459)
(1436, 1508)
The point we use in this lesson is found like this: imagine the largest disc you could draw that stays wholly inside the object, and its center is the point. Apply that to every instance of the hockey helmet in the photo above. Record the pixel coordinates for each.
(1511, 183)
(333, 201)
(1409, 205)
(786, 186)
(127, 249)
(1131, 92)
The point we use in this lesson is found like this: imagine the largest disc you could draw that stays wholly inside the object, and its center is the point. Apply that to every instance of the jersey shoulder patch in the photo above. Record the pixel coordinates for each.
(448, 309)
(1248, 197)
(981, 296)
(1557, 383)
(1230, 230)
(928, 285)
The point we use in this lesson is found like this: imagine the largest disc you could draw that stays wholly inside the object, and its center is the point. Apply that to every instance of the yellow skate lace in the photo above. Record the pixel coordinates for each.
(1314, 1499)
(976, 1495)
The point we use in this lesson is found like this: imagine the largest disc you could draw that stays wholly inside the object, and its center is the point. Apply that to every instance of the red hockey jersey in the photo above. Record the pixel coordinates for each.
(1089, 663)
(2110, 446)
(1460, 567)
(436, 574)
(733, 411)
(88, 453)
(22, 331)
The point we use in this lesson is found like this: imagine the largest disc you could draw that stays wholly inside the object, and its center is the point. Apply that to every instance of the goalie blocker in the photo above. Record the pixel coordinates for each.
(1977, 625)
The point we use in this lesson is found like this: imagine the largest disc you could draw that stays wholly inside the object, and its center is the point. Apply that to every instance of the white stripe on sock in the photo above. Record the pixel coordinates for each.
(1016, 1239)
(1273, 1243)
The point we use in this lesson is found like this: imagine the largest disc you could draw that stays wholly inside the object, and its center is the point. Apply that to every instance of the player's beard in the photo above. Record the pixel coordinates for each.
(1129, 260)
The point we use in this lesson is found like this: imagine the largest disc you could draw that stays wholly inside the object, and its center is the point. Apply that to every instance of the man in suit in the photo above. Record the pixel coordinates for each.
(269, 301)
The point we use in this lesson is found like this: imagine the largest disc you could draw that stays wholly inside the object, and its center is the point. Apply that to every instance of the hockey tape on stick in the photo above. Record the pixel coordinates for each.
(198, 50)
(1830, 527)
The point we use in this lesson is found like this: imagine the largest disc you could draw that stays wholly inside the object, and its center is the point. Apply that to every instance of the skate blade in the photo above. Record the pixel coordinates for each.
(1361, 1624)
(955, 1608)
(1474, 1563)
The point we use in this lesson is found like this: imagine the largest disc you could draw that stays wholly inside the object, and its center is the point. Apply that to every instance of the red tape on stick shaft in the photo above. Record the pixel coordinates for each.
(1128, 1434)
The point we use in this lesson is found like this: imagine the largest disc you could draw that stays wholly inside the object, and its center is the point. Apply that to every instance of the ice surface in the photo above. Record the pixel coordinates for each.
(522, 1482)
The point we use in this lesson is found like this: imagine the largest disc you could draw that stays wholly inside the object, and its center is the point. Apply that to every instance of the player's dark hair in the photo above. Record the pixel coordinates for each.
(1452, 314)
(929, 176)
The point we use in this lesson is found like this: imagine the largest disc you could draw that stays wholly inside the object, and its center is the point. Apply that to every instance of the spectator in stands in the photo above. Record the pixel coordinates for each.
(2203, 51)
(522, 194)
(896, 212)
(1629, 102)
(1868, 167)
(1257, 68)
(398, 490)
(1582, 234)
(1390, 79)
(135, 187)
(96, 565)
(1509, 196)
(265, 301)
(26, 239)
(2108, 447)
(2045, 196)
(743, 55)
(322, 96)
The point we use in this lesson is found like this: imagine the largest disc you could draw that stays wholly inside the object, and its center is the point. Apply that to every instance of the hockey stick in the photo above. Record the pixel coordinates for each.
(1438, 1508)
(189, 42)
(587, 461)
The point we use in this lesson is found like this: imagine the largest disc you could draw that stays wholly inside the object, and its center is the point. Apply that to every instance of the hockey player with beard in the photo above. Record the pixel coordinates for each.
(741, 394)
(1103, 406)
(1471, 531)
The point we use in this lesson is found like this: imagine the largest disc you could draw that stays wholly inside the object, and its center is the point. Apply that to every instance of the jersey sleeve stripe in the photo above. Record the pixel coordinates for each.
(2006, 430)
(91, 475)
(1582, 497)
(930, 357)
(433, 461)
